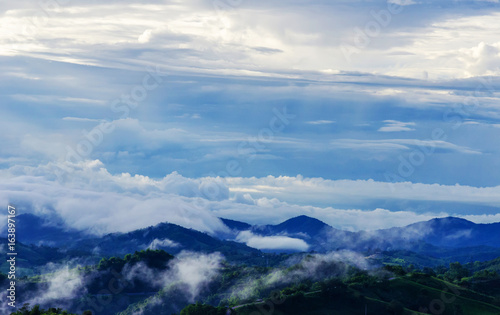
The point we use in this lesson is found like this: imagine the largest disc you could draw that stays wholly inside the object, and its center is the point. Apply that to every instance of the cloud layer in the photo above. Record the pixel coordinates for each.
(123, 202)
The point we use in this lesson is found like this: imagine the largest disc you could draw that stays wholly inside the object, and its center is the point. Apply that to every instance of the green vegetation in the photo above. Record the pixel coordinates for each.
(311, 285)
(413, 293)
(204, 309)
(37, 310)
(156, 259)
(31, 257)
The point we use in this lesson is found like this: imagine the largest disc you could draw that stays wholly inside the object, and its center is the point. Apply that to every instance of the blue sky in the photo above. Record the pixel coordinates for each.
(365, 114)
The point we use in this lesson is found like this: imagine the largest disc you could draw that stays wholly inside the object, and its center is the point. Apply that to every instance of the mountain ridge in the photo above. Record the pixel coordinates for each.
(426, 237)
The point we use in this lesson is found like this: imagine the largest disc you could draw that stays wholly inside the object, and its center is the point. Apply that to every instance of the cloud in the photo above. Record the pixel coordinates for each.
(164, 243)
(313, 267)
(248, 37)
(196, 270)
(272, 242)
(395, 126)
(402, 2)
(123, 202)
(284, 188)
(60, 284)
(145, 37)
(114, 203)
(79, 119)
(320, 122)
(188, 271)
(399, 144)
(483, 59)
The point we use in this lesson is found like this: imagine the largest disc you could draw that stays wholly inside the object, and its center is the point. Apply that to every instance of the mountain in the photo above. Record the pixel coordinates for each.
(32, 257)
(456, 232)
(236, 225)
(443, 238)
(169, 237)
(32, 229)
(301, 226)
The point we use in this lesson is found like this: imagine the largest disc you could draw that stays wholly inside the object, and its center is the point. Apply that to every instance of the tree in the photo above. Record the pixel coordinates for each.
(456, 272)
(36, 310)
(396, 269)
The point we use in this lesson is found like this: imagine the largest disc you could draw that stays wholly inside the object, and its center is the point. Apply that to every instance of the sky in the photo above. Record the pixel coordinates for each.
(116, 115)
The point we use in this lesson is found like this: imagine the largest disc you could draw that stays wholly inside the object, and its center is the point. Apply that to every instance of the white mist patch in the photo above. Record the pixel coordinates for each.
(188, 272)
(314, 267)
(195, 270)
(460, 234)
(157, 244)
(63, 284)
(272, 242)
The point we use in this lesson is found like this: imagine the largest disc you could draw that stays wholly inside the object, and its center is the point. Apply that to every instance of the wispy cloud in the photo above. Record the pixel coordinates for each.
(320, 122)
(81, 119)
(399, 144)
(395, 126)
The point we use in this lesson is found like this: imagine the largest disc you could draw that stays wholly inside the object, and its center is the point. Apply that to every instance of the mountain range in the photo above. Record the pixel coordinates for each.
(446, 232)
(450, 238)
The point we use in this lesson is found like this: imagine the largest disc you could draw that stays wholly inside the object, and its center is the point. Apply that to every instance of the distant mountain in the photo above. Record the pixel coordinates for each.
(301, 227)
(236, 225)
(456, 232)
(32, 229)
(31, 257)
(440, 237)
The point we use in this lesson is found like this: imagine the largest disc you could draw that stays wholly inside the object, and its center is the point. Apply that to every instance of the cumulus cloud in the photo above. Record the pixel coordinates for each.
(483, 59)
(110, 202)
(146, 36)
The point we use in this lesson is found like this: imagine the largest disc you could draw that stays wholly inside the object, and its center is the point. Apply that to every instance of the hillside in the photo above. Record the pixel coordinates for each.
(167, 236)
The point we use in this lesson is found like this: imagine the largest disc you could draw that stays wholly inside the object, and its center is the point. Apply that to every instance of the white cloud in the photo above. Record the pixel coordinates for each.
(227, 39)
(80, 119)
(123, 202)
(483, 59)
(113, 202)
(399, 144)
(302, 190)
(64, 284)
(272, 242)
(195, 270)
(158, 244)
(320, 122)
(395, 126)
(402, 2)
(145, 37)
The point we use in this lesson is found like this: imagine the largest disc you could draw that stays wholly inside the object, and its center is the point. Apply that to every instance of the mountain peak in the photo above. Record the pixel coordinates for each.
(302, 224)
(449, 222)
(235, 225)
(304, 219)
